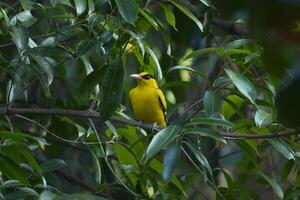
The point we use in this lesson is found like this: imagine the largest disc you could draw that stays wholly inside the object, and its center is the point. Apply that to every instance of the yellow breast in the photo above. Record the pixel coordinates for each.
(146, 106)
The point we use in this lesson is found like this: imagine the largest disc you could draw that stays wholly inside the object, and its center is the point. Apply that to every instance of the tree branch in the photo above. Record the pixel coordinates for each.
(92, 114)
(74, 113)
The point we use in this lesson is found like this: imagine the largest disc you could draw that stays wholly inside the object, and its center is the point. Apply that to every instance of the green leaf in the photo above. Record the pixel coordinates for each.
(275, 186)
(212, 122)
(212, 103)
(286, 170)
(206, 132)
(283, 148)
(262, 118)
(49, 51)
(200, 157)
(91, 5)
(11, 183)
(243, 85)
(249, 150)
(26, 4)
(20, 38)
(232, 105)
(31, 160)
(149, 19)
(157, 166)
(44, 73)
(154, 58)
(237, 43)
(97, 166)
(79, 196)
(52, 165)
(161, 140)
(187, 13)
(25, 18)
(12, 170)
(80, 6)
(88, 84)
(171, 158)
(68, 32)
(124, 156)
(206, 2)
(217, 50)
(111, 89)
(128, 10)
(84, 46)
(47, 195)
(190, 69)
(169, 16)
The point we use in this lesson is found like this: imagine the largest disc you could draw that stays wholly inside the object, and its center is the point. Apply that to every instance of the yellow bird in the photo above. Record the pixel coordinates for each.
(147, 101)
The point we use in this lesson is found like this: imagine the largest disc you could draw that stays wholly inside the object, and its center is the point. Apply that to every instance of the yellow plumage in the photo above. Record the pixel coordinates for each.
(147, 101)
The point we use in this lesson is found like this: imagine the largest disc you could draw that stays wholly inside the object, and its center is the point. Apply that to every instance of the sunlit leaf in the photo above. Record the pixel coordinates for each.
(262, 118)
(169, 16)
(80, 6)
(149, 19)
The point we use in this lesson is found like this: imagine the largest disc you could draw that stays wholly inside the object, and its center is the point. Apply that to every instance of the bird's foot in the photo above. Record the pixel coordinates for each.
(153, 127)
(141, 124)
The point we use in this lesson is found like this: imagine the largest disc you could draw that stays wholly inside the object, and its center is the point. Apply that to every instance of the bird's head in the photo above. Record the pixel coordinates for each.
(145, 79)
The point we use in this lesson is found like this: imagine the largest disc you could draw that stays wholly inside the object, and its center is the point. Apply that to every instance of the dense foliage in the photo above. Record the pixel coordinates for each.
(229, 73)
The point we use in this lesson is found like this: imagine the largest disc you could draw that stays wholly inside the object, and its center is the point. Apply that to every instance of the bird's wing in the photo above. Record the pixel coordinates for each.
(130, 101)
(162, 101)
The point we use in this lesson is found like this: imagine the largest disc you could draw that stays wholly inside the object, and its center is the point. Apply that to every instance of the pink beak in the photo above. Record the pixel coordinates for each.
(136, 76)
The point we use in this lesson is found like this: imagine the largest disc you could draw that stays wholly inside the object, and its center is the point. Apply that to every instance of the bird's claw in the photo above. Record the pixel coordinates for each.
(141, 124)
(154, 125)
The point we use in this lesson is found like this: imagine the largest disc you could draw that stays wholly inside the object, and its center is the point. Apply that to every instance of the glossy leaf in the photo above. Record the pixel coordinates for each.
(212, 122)
(200, 157)
(217, 50)
(169, 16)
(171, 159)
(212, 103)
(187, 13)
(80, 6)
(283, 148)
(206, 132)
(49, 52)
(20, 37)
(149, 19)
(155, 59)
(262, 118)
(242, 84)
(97, 165)
(111, 89)
(161, 140)
(128, 10)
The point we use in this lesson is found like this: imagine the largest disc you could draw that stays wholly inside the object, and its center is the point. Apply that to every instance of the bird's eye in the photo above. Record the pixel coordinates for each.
(147, 77)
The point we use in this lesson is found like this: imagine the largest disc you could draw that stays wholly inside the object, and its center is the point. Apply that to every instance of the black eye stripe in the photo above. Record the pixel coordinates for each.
(147, 76)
